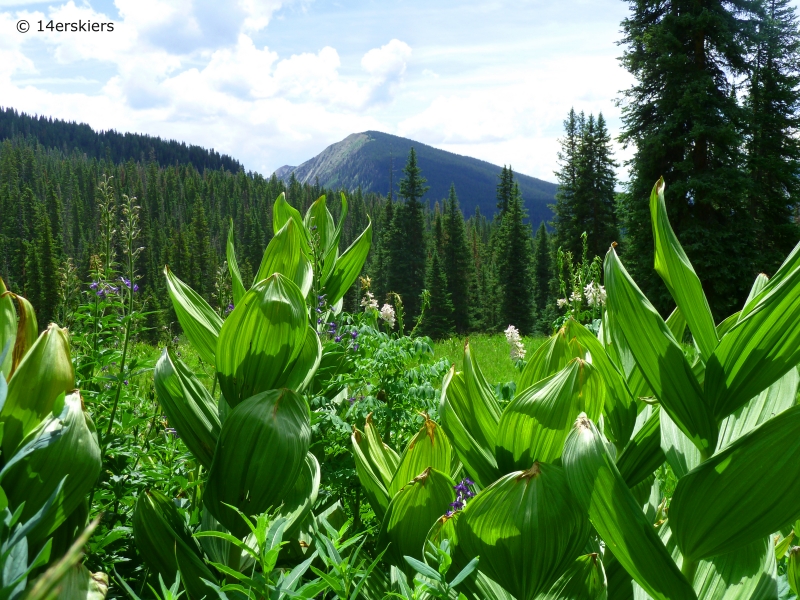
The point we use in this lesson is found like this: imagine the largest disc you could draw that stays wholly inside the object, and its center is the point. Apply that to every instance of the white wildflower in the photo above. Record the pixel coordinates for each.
(562, 302)
(369, 302)
(595, 294)
(575, 296)
(387, 314)
(514, 339)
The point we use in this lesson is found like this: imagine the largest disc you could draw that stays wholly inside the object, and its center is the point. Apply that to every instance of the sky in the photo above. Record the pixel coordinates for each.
(274, 82)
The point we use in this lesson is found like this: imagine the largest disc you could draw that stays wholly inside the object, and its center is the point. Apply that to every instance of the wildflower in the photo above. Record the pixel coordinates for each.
(229, 308)
(369, 302)
(319, 311)
(575, 296)
(387, 314)
(126, 281)
(562, 302)
(93, 285)
(514, 339)
(463, 493)
(355, 347)
(125, 382)
(101, 293)
(337, 339)
(319, 321)
(135, 288)
(351, 400)
(172, 431)
(595, 294)
(354, 334)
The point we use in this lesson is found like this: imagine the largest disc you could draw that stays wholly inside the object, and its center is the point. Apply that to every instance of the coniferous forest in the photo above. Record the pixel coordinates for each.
(220, 385)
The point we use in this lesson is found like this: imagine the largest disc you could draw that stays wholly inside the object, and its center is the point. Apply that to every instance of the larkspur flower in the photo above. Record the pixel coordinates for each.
(135, 288)
(93, 285)
(355, 347)
(229, 308)
(387, 314)
(125, 382)
(337, 339)
(354, 334)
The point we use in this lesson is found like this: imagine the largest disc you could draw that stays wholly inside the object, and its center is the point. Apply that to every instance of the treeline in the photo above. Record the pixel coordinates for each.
(110, 145)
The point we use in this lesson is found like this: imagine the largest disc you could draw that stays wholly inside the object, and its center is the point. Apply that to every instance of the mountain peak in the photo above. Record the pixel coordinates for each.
(371, 159)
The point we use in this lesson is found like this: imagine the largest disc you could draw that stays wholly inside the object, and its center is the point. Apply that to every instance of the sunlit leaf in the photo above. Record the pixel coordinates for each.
(643, 454)
(429, 448)
(585, 579)
(286, 254)
(233, 267)
(348, 266)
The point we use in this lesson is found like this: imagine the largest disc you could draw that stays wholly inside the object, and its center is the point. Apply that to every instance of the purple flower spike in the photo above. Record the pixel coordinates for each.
(135, 288)
(93, 285)
(338, 339)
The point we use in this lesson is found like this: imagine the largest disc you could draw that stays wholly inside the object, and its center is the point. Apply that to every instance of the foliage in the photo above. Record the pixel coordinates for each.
(579, 288)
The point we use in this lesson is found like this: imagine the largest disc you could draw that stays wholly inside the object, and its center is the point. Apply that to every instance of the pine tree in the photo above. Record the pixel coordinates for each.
(201, 257)
(773, 153)
(407, 243)
(542, 275)
(564, 221)
(684, 119)
(48, 265)
(505, 189)
(458, 266)
(513, 267)
(437, 321)
(379, 264)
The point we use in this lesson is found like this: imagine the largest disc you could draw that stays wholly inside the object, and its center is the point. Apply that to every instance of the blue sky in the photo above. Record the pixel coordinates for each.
(273, 82)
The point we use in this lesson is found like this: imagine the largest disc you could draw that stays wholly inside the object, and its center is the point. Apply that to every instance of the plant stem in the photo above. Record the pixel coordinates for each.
(688, 569)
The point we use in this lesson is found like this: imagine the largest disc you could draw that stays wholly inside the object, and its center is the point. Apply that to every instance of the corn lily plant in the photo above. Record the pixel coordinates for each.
(252, 440)
(568, 503)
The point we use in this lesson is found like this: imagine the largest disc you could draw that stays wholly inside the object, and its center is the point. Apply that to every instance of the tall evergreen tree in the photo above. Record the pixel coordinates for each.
(379, 263)
(437, 321)
(202, 267)
(505, 189)
(773, 148)
(48, 264)
(513, 267)
(683, 117)
(408, 248)
(458, 266)
(564, 221)
(542, 275)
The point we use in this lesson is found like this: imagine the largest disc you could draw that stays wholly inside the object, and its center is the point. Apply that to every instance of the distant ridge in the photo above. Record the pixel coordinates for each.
(364, 159)
(120, 147)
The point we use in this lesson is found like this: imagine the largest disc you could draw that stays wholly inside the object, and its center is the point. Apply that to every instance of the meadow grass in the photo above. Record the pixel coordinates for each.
(492, 352)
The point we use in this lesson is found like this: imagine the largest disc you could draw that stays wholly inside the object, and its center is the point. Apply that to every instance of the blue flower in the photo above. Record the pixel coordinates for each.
(337, 339)
(93, 285)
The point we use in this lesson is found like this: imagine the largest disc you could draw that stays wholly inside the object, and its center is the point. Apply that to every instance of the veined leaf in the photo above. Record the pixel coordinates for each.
(286, 254)
(383, 459)
(793, 569)
(261, 339)
(301, 498)
(742, 494)
(659, 356)
(470, 415)
(27, 329)
(778, 397)
(758, 286)
(549, 358)
(189, 407)
(430, 448)
(762, 347)
(319, 221)
(233, 267)
(601, 491)
(536, 423)
(8, 330)
(348, 266)
(411, 513)
(298, 375)
(332, 254)
(260, 454)
(374, 488)
(679, 451)
(585, 579)
(526, 528)
(674, 267)
(198, 320)
(43, 375)
(643, 454)
(282, 212)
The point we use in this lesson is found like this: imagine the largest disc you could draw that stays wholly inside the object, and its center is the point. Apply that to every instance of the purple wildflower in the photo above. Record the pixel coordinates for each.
(229, 308)
(337, 339)
(463, 493)
(101, 293)
(352, 401)
(354, 334)
(135, 288)
(355, 347)
(93, 285)
(125, 382)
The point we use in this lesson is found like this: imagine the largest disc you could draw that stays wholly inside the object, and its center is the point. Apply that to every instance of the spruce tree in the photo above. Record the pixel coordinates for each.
(379, 263)
(437, 321)
(201, 257)
(48, 265)
(773, 153)
(564, 221)
(513, 267)
(505, 189)
(458, 267)
(542, 275)
(407, 247)
(683, 117)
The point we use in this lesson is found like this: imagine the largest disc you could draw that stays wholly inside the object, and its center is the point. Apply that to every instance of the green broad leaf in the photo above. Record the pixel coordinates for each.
(286, 254)
(78, 583)
(261, 339)
(602, 492)
(536, 423)
(585, 579)
(659, 356)
(430, 448)
(332, 254)
(470, 415)
(679, 451)
(782, 547)
(758, 286)
(550, 357)
(189, 407)
(198, 320)
(298, 375)
(619, 584)
(411, 513)
(674, 267)
(233, 267)
(300, 499)
(348, 267)
(643, 454)
(741, 494)
(619, 407)
(767, 588)
(8, 330)
(785, 271)
(383, 459)
(166, 544)
(63, 445)
(260, 453)
(676, 323)
(282, 212)
(793, 569)
(44, 374)
(725, 326)
(527, 529)
(319, 222)
(217, 542)
(374, 487)
(762, 347)
(778, 397)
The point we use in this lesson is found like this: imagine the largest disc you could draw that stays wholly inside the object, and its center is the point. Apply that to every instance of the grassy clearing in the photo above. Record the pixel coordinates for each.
(492, 352)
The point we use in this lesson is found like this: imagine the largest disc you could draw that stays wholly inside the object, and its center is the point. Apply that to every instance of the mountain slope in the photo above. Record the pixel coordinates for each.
(365, 159)
(119, 147)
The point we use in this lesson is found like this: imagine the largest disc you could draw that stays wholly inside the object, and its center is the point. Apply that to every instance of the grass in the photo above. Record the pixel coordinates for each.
(491, 352)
